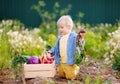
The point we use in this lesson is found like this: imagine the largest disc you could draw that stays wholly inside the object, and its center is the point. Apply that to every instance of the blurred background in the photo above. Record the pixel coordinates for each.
(94, 11)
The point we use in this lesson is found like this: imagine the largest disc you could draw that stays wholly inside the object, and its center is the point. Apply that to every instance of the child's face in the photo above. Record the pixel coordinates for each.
(63, 29)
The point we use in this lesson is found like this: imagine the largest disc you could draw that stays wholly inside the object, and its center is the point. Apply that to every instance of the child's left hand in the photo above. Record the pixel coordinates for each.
(46, 58)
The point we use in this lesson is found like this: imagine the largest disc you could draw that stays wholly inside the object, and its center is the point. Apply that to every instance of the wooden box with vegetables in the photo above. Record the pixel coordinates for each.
(42, 66)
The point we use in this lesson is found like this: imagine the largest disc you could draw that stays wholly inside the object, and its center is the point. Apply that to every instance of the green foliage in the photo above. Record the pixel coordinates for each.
(112, 47)
(16, 39)
(103, 30)
(80, 15)
(94, 44)
(17, 66)
(79, 56)
(48, 28)
(78, 60)
(109, 81)
(87, 80)
(116, 64)
(52, 82)
(51, 39)
(18, 60)
(4, 49)
(98, 80)
(118, 73)
(69, 82)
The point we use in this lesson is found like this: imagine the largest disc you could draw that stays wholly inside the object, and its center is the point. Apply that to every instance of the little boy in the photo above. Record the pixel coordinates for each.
(64, 49)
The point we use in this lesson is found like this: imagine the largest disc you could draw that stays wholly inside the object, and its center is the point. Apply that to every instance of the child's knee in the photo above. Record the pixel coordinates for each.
(61, 74)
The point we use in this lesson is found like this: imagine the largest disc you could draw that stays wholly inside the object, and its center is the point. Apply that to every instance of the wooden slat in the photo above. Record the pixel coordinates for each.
(40, 74)
(34, 67)
(43, 70)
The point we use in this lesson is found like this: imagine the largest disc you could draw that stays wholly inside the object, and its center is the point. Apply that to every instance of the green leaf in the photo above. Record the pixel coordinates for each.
(109, 81)
(87, 81)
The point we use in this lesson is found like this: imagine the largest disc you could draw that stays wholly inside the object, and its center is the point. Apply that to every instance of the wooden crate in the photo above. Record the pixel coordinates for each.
(42, 70)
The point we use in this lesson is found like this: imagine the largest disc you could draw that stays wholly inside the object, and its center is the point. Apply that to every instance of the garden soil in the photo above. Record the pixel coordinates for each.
(93, 69)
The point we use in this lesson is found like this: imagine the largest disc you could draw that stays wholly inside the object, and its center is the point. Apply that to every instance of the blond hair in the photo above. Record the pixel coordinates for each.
(66, 20)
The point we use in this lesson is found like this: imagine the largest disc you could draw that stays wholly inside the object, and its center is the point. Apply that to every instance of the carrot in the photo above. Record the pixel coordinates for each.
(46, 58)
(41, 58)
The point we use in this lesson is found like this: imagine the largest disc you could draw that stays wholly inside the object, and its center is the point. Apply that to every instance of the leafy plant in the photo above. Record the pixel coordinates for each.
(112, 47)
(17, 65)
(94, 44)
(16, 39)
(19, 60)
(79, 56)
(116, 64)
(5, 49)
(103, 30)
(78, 59)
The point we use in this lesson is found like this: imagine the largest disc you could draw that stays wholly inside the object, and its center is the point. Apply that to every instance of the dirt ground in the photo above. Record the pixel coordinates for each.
(93, 69)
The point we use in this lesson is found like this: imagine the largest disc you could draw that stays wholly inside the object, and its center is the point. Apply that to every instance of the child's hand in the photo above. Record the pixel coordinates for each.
(49, 54)
(49, 51)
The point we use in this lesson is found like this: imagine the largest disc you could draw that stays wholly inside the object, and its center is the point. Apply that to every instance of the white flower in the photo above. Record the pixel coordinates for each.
(111, 56)
(15, 33)
(105, 55)
(116, 32)
(44, 42)
(107, 59)
(1, 30)
(119, 28)
(20, 44)
(109, 34)
(38, 46)
(113, 44)
(20, 36)
(48, 26)
(110, 25)
(113, 33)
(10, 22)
(118, 36)
(112, 52)
(3, 22)
(108, 62)
(16, 27)
(35, 31)
(29, 39)
(24, 42)
(40, 39)
(106, 25)
(9, 33)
